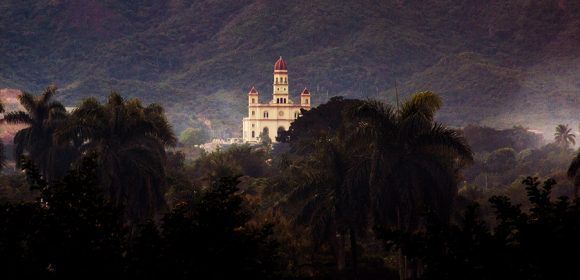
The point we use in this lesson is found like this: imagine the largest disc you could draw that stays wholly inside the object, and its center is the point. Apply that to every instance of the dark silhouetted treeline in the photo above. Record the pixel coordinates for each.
(72, 231)
(356, 189)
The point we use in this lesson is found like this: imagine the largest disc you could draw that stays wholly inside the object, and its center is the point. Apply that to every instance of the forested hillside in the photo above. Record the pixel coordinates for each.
(497, 63)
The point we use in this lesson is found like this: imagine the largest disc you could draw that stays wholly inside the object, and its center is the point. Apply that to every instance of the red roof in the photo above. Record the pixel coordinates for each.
(305, 92)
(280, 65)
(253, 91)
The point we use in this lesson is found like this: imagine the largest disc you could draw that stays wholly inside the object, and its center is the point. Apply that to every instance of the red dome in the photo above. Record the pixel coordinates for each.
(253, 91)
(280, 65)
(305, 92)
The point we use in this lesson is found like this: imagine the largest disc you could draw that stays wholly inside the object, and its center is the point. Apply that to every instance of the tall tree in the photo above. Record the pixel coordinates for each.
(564, 136)
(130, 141)
(334, 198)
(574, 173)
(42, 116)
(334, 202)
(411, 161)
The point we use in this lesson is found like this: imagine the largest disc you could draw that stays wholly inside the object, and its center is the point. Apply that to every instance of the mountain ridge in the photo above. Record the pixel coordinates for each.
(199, 58)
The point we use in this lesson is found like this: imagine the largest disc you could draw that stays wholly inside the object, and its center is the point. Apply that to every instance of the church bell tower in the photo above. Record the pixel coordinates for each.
(280, 86)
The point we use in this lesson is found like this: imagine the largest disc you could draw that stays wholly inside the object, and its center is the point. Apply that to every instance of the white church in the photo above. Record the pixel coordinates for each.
(277, 114)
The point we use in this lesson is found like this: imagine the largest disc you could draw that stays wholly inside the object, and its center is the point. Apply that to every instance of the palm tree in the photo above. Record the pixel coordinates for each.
(334, 206)
(574, 173)
(564, 136)
(42, 116)
(412, 161)
(130, 142)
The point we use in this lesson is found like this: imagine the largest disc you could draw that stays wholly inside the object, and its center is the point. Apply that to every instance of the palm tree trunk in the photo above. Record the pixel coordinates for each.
(402, 258)
(402, 266)
(339, 252)
(354, 253)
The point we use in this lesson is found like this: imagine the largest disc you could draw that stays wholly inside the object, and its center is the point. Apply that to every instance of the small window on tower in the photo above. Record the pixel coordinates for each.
(276, 80)
(253, 134)
(253, 113)
(306, 101)
(265, 115)
(253, 100)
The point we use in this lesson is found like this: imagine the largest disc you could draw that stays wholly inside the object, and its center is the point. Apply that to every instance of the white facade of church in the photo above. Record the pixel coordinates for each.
(277, 114)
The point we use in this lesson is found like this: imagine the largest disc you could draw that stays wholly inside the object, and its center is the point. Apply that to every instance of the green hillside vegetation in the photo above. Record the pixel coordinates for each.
(493, 63)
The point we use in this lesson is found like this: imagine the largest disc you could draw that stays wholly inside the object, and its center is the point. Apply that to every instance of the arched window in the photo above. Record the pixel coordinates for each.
(306, 101)
(253, 100)
(253, 134)
(253, 113)
(276, 79)
(266, 114)
(285, 80)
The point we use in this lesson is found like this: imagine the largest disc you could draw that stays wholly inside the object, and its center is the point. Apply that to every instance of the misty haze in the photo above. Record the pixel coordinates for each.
(234, 139)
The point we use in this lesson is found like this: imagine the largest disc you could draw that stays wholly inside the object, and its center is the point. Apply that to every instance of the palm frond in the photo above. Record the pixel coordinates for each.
(56, 106)
(18, 117)
(371, 120)
(300, 193)
(115, 99)
(47, 95)
(161, 127)
(441, 136)
(143, 161)
(28, 101)
(424, 103)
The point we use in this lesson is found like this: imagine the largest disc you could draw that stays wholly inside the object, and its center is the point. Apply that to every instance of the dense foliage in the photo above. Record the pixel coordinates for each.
(71, 231)
(539, 244)
(347, 176)
(130, 141)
